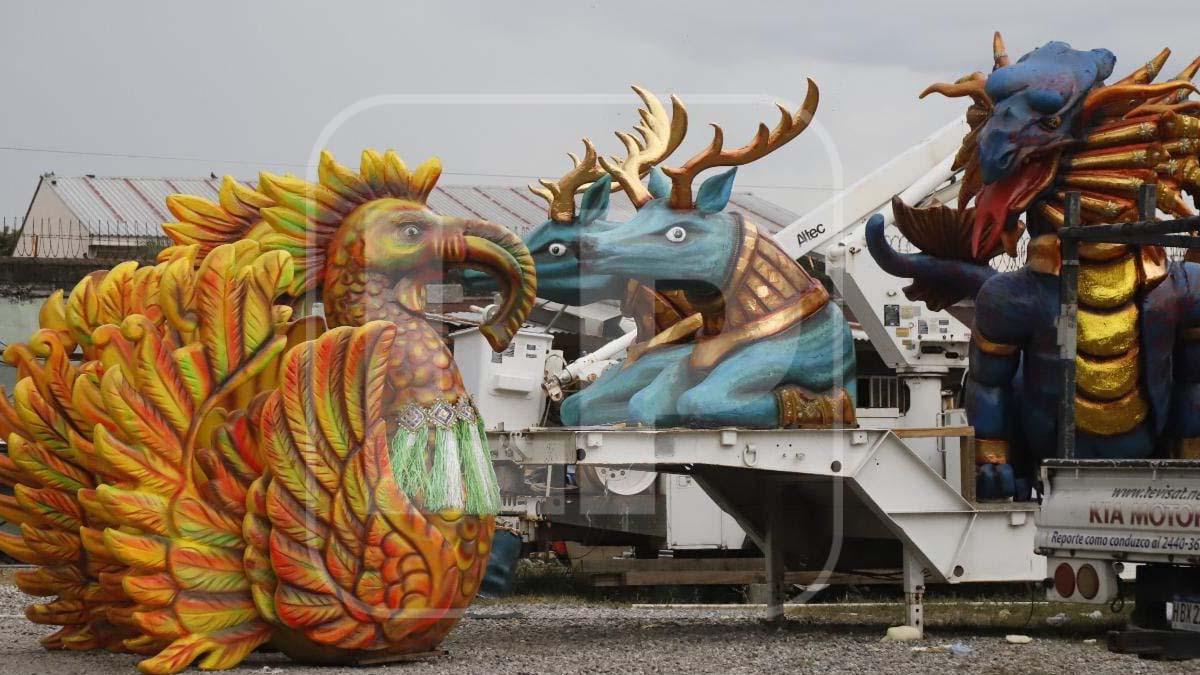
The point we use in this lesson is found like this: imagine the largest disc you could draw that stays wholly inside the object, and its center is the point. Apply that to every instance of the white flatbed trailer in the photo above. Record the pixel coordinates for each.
(1099, 516)
(825, 499)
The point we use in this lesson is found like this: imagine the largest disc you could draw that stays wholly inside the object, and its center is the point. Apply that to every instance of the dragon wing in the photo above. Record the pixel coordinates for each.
(944, 233)
(357, 564)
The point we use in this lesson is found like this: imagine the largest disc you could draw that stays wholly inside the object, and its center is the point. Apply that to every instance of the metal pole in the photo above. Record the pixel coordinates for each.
(1067, 330)
(1147, 202)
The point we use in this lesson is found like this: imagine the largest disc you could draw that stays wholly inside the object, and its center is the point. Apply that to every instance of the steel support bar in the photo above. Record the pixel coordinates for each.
(1164, 240)
(1067, 330)
(1146, 227)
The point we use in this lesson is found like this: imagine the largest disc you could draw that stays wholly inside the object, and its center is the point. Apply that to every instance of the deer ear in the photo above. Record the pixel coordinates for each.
(658, 184)
(714, 192)
(594, 204)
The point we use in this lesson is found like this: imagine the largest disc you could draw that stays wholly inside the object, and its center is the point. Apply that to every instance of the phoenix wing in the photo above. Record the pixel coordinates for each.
(357, 564)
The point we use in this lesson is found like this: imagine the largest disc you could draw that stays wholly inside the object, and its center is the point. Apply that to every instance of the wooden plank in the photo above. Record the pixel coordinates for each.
(607, 565)
(966, 467)
(734, 578)
(934, 432)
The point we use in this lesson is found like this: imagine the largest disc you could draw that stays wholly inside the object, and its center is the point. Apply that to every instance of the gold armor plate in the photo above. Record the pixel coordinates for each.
(1109, 284)
(1109, 333)
(1109, 418)
(1107, 379)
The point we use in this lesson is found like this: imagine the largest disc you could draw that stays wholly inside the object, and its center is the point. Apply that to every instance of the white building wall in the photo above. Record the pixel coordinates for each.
(51, 229)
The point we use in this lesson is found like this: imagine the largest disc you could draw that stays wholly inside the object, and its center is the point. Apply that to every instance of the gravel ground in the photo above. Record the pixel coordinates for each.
(563, 637)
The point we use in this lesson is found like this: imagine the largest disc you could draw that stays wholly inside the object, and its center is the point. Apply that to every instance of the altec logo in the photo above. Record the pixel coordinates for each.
(810, 234)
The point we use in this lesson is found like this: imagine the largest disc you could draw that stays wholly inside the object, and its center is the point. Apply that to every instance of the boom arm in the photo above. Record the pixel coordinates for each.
(872, 193)
(906, 334)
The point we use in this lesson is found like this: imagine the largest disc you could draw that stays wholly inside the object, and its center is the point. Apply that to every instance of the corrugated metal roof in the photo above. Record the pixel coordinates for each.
(120, 206)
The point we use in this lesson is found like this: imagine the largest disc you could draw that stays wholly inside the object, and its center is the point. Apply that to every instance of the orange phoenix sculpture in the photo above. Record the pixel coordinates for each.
(213, 475)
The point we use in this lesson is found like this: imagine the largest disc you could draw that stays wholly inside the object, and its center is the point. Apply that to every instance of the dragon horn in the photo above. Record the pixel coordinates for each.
(1131, 94)
(971, 85)
(1147, 72)
(999, 51)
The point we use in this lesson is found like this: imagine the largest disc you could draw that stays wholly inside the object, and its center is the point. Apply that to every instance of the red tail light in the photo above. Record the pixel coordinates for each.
(1064, 580)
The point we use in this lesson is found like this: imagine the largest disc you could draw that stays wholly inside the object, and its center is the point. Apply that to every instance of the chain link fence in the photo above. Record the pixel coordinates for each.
(70, 238)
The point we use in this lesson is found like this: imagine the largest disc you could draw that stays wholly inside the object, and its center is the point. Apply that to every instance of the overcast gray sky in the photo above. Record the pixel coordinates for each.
(243, 86)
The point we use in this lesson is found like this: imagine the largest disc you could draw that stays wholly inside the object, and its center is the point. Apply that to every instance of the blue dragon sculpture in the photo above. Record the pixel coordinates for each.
(765, 347)
(1040, 127)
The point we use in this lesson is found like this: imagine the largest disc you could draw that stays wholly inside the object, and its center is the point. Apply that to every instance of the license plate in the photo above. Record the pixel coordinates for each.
(1185, 614)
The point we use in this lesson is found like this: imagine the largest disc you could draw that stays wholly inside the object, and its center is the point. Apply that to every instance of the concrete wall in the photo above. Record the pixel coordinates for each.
(18, 321)
(25, 283)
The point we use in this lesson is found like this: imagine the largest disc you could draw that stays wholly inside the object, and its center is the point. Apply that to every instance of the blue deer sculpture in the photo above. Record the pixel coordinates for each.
(555, 244)
(769, 349)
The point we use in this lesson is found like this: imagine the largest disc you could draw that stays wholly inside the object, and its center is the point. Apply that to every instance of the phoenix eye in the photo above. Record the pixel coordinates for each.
(412, 231)
(557, 248)
(676, 234)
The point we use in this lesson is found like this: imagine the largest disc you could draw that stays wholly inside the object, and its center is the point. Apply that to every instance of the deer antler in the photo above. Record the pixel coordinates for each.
(561, 193)
(765, 141)
(660, 136)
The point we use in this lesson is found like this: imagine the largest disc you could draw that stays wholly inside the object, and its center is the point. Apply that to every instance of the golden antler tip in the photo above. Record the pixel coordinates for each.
(659, 134)
(629, 141)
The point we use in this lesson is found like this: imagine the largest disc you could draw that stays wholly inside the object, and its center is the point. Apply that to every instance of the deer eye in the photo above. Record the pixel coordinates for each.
(557, 248)
(676, 234)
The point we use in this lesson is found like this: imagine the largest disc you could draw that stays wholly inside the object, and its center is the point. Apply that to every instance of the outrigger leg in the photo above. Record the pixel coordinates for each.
(914, 591)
